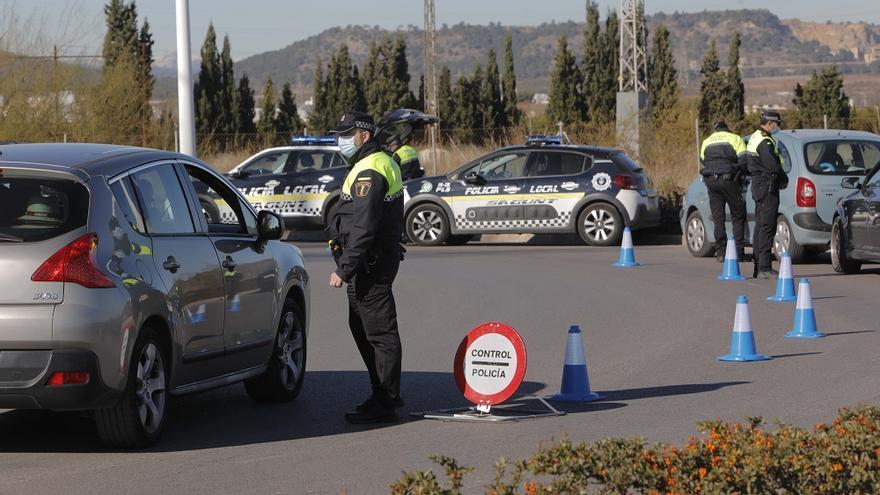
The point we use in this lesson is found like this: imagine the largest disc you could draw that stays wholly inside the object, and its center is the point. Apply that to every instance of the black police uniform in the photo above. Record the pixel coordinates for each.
(768, 178)
(723, 159)
(367, 227)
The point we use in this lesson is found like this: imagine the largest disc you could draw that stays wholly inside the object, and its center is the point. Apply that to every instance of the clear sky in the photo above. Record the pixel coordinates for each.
(256, 26)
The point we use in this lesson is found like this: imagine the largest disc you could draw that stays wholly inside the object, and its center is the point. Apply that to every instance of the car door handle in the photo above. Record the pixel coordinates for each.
(229, 264)
(171, 264)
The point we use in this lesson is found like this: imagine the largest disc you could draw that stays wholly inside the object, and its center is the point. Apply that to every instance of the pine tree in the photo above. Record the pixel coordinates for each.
(611, 68)
(734, 91)
(145, 79)
(662, 76)
(207, 88)
(511, 112)
(592, 78)
(266, 123)
(121, 38)
(564, 99)
(711, 89)
(245, 111)
(288, 121)
(823, 95)
(227, 90)
(490, 95)
(444, 100)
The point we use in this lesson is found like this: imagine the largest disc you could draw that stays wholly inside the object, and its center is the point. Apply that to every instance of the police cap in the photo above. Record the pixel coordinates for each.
(355, 120)
(770, 116)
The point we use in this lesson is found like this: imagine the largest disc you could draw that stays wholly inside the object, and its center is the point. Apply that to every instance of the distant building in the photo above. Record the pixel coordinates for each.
(872, 54)
(541, 99)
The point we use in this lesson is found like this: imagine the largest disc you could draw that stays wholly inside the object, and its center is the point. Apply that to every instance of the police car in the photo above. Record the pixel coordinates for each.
(301, 182)
(543, 186)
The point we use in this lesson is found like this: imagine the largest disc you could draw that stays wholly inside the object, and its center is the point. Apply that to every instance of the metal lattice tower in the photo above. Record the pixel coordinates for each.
(430, 63)
(633, 60)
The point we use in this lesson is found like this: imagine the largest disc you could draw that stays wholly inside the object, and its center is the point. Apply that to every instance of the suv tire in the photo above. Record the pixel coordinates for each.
(427, 225)
(600, 224)
(840, 261)
(284, 375)
(784, 240)
(136, 421)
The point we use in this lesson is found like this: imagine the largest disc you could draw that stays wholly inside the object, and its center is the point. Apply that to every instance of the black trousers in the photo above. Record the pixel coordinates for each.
(372, 317)
(766, 210)
(727, 193)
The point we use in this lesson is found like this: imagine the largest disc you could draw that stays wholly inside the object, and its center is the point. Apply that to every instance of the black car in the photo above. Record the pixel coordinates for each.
(301, 182)
(855, 233)
(543, 186)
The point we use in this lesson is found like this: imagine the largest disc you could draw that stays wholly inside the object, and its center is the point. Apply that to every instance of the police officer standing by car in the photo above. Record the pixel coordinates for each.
(723, 160)
(365, 237)
(768, 178)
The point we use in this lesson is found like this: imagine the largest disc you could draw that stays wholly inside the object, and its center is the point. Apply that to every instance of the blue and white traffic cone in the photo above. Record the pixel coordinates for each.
(785, 282)
(804, 317)
(742, 340)
(575, 379)
(198, 316)
(627, 255)
(731, 263)
(235, 304)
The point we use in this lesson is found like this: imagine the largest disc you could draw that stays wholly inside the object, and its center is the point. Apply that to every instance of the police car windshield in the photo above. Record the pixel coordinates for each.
(505, 165)
(293, 161)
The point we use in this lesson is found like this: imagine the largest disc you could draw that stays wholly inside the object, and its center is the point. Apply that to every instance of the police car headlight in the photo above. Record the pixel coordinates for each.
(405, 196)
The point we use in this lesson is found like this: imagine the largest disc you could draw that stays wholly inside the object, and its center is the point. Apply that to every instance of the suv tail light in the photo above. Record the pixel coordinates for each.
(60, 378)
(806, 193)
(74, 263)
(625, 182)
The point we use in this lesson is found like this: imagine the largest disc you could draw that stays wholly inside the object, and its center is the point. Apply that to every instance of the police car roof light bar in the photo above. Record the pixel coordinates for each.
(313, 140)
(542, 140)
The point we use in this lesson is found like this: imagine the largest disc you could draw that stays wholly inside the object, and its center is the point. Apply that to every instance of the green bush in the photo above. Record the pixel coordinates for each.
(840, 458)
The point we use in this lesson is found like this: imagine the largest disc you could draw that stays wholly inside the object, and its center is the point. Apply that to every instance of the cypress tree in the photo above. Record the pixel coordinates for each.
(466, 100)
(711, 89)
(444, 100)
(121, 38)
(511, 113)
(734, 91)
(564, 99)
(227, 97)
(207, 88)
(823, 95)
(245, 111)
(401, 95)
(344, 88)
(145, 79)
(611, 66)
(373, 74)
(320, 118)
(266, 123)
(288, 121)
(490, 95)
(592, 78)
(421, 97)
(662, 75)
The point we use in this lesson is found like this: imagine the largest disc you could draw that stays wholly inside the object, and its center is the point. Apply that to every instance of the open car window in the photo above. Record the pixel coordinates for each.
(224, 211)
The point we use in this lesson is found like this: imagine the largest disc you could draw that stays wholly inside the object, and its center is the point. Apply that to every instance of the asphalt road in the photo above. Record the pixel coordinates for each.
(651, 337)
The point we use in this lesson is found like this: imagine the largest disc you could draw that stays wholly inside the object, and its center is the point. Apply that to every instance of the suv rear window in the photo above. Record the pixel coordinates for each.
(39, 209)
(841, 157)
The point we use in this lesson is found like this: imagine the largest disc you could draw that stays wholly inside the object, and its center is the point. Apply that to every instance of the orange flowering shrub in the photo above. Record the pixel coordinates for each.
(840, 458)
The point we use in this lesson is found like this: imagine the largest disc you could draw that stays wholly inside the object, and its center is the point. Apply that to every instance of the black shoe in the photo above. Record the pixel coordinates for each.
(719, 258)
(395, 404)
(768, 274)
(374, 412)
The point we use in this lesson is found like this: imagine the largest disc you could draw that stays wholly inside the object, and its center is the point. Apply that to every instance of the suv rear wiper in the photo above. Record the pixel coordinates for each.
(10, 238)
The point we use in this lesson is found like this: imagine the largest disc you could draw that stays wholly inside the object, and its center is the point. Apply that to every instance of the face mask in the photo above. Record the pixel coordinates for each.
(347, 146)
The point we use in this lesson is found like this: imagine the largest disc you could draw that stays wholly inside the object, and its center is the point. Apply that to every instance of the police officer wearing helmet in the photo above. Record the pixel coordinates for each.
(723, 160)
(768, 178)
(365, 237)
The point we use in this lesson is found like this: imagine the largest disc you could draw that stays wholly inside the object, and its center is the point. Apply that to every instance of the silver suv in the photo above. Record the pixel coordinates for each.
(117, 292)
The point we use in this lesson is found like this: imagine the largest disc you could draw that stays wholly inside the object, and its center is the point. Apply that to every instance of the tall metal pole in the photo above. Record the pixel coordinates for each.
(184, 82)
(430, 74)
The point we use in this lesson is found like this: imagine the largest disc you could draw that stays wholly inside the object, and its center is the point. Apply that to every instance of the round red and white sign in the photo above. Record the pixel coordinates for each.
(490, 363)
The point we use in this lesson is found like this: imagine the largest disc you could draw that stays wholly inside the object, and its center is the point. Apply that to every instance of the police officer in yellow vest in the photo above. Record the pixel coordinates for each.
(365, 238)
(768, 178)
(723, 165)
(407, 158)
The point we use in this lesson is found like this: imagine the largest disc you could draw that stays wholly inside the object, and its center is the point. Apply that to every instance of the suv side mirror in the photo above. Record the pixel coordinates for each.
(237, 174)
(474, 179)
(270, 226)
(850, 183)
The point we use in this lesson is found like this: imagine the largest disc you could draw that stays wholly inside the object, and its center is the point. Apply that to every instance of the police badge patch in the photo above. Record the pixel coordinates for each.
(362, 188)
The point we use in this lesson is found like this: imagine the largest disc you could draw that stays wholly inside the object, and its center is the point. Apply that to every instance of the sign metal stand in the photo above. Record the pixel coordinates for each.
(490, 365)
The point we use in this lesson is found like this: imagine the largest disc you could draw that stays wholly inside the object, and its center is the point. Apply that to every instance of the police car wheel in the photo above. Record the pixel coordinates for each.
(427, 225)
(696, 237)
(600, 224)
(286, 369)
(784, 241)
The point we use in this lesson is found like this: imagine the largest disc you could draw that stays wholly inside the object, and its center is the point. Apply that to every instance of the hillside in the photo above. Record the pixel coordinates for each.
(793, 49)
